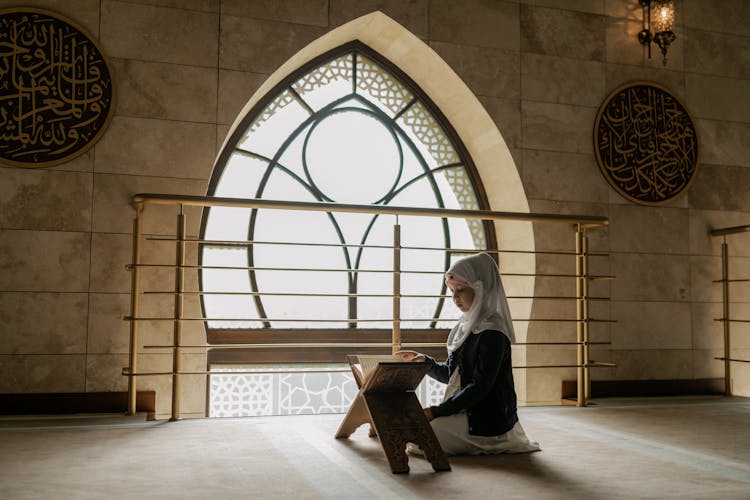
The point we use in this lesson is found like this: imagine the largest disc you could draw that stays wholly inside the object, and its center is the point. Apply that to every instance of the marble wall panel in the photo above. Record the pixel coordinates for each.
(82, 163)
(544, 386)
(557, 127)
(741, 378)
(620, 74)
(703, 221)
(41, 199)
(108, 332)
(167, 91)
(628, 10)
(412, 15)
(163, 34)
(651, 325)
(723, 143)
(104, 373)
(721, 188)
(199, 5)
(474, 22)
(703, 272)
(651, 277)
(549, 175)
(716, 54)
(113, 213)
(43, 323)
(555, 236)
(562, 80)
(623, 46)
(718, 98)
(562, 33)
(259, 46)
(44, 261)
(653, 364)
(590, 6)
(707, 332)
(314, 12)
(649, 229)
(42, 373)
(163, 148)
(235, 89)
(487, 71)
(704, 364)
(506, 113)
(723, 16)
(85, 13)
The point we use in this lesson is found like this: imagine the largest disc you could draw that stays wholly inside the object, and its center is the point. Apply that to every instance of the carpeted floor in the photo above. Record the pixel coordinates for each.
(697, 447)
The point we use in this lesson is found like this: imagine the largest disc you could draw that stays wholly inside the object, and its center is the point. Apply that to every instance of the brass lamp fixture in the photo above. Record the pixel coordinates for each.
(658, 25)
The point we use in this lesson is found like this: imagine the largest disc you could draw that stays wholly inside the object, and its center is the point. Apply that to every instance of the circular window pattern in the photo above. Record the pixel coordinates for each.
(56, 89)
(645, 143)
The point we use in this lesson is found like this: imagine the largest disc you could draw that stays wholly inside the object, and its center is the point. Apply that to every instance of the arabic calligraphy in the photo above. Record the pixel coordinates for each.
(645, 143)
(56, 91)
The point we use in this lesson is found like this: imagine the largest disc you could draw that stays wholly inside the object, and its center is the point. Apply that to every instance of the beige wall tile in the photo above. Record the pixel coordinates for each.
(43, 323)
(707, 332)
(703, 221)
(629, 10)
(623, 46)
(261, 46)
(544, 386)
(557, 127)
(200, 5)
(104, 373)
(705, 366)
(168, 91)
(313, 12)
(741, 378)
(718, 98)
(590, 6)
(221, 135)
(716, 54)
(562, 80)
(649, 229)
(506, 113)
(723, 143)
(562, 33)
(83, 163)
(562, 176)
(85, 13)
(487, 71)
(703, 272)
(108, 332)
(44, 261)
(163, 148)
(721, 188)
(473, 22)
(42, 373)
(113, 213)
(164, 34)
(412, 15)
(555, 236)
(653, 364)
(235, 89)
(724, 16)
(650, 277)
(620, 74)
(40, 199)
(651, 325)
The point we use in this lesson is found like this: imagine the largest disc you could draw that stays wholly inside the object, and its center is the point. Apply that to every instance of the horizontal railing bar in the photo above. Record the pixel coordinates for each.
(590, 221)
(369, 295)
(733, 320)
(366, 320)
(329, 345)
(735, 360)
(740, 280)
(730, 230)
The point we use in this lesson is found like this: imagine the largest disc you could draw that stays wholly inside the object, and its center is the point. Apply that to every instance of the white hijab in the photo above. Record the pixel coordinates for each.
(489, 311)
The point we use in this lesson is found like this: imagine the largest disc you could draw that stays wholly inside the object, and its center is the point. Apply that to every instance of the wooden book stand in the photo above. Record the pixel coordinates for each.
(386, 400)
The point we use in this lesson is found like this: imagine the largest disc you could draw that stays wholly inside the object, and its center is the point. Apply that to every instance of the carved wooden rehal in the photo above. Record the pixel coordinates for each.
(645, 143)
(56, 89)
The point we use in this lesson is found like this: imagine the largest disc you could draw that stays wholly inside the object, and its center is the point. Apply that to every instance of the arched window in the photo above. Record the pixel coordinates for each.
(348, 127)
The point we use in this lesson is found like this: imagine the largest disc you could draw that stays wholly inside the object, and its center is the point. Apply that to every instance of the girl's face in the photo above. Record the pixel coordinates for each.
(463, 297)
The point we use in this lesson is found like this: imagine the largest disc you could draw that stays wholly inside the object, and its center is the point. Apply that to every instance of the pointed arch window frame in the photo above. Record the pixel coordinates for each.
(269, 334)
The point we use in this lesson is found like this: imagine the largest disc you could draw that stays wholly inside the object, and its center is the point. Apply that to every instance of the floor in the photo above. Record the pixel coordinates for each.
(691, 447)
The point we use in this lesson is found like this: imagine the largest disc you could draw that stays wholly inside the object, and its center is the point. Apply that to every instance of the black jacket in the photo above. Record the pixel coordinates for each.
(487, 393)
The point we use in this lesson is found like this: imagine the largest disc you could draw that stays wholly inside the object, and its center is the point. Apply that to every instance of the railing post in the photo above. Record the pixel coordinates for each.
(135, 283)
(585, 285)
(396, 335)
(580, 392)
(179, 288)
(725, 316)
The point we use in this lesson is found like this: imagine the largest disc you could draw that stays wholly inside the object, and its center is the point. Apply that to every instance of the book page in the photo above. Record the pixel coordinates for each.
(368, 362)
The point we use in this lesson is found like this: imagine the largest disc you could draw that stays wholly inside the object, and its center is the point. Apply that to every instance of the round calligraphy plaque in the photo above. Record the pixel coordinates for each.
(645, 143)
(56, 89)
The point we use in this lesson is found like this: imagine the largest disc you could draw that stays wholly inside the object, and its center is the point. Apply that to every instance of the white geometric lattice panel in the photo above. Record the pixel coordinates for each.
(421, 123)
(379, 84)
(461, 186)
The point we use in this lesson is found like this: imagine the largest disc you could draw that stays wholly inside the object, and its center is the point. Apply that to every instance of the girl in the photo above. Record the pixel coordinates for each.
(478, 414)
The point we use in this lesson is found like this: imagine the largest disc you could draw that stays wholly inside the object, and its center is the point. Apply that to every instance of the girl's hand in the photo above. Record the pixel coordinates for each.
(428, 413)
(411, 356)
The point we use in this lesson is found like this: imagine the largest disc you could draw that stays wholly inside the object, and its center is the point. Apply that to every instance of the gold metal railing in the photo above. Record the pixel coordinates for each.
(582, 276)
(726, 318)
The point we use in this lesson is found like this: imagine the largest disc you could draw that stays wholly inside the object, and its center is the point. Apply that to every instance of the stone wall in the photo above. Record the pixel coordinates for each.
(185, 68)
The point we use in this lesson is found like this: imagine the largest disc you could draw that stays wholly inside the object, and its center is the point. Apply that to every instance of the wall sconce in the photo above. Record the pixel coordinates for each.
(659, 26)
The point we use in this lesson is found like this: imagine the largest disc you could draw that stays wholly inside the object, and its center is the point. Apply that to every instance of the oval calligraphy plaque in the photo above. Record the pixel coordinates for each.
(645, 143)
(56, 89)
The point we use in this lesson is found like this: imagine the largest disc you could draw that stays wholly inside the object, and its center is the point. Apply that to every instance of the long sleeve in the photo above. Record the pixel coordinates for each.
(489, 355)
(439, 371)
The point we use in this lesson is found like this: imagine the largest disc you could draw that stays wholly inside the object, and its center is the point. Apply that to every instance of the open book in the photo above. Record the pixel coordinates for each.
(368, 362)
